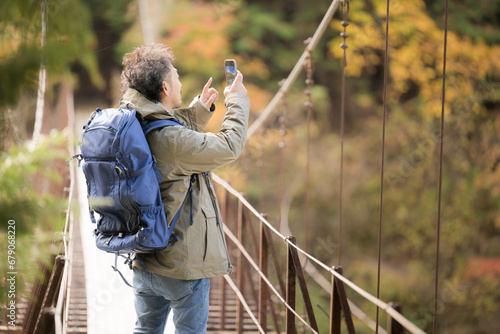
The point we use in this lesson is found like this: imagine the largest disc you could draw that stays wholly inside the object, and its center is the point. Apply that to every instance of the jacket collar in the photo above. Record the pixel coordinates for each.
(145, 107)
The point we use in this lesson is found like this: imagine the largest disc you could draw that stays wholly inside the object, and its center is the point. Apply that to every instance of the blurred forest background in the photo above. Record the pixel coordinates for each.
(85, 41)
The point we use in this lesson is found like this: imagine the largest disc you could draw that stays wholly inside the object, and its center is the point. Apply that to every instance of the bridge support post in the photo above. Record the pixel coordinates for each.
(268, 248)
(295, 270)
(240, 278)
(338, 304)
(290, 290)
(263, 266)
(335, 309)
(394, 327)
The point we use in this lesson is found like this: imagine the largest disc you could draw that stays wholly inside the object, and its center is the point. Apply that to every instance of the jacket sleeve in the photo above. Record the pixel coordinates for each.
(196, 116)
(188, 151)
(203, 114)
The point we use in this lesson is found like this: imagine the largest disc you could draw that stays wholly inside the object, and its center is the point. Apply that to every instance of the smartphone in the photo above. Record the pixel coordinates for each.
(230, 66)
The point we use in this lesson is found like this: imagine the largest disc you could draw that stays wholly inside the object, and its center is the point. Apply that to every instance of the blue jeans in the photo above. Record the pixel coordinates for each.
(156, 295)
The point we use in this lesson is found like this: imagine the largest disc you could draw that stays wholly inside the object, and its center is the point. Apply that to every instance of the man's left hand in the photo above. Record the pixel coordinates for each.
(209, 95)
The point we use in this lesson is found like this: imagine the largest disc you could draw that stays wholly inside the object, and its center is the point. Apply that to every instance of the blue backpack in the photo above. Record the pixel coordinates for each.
(123, 183)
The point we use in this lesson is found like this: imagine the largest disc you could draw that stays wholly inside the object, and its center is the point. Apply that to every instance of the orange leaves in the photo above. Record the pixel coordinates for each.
(480, 267)
(197, 31)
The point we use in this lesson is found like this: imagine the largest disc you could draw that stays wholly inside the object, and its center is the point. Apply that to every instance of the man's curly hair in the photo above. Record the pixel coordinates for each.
(145, 68)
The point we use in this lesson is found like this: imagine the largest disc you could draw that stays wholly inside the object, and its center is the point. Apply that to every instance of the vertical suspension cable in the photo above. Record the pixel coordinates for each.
(282, 144)
(386, 61)
(309, 66)
(344, 35)
(262, 172)
(438, 232)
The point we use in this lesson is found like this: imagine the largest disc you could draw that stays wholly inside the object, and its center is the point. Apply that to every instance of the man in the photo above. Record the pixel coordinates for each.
(177, 278)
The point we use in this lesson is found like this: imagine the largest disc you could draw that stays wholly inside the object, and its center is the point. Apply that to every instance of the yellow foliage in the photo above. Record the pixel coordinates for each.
(10, 40)
(415, 53)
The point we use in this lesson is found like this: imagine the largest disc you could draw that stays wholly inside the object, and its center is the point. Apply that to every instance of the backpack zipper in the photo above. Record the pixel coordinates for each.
(109, 240)
(102, 127)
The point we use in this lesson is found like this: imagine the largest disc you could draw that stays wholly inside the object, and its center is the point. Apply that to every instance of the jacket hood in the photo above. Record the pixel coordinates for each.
(145, 107)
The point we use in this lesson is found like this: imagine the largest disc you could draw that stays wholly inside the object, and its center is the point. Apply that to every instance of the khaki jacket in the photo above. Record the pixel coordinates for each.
(200, 250)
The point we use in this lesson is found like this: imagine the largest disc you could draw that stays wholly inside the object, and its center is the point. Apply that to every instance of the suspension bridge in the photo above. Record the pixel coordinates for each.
(81, 294)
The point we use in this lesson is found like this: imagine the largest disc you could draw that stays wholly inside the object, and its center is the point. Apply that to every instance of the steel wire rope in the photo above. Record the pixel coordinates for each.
(71, 149)
(261, 274)
(344, 35)
(262, 172)
(386, 307)
(281, 146)
(438, 227)
(68, 227)
(309, 66)
(386, 66)
(243, 301)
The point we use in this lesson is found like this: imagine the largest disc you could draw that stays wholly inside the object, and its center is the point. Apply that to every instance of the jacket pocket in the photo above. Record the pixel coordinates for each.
(139, 280)
(209, 216)
(215, 251)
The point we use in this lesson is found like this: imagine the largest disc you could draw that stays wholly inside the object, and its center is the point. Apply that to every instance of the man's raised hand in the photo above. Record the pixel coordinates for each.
(209, 95)
(237, 85)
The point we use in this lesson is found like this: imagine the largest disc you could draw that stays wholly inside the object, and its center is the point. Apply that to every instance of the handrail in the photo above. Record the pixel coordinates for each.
(356, 311)
(256, 267)
(62, 309)
(386, 307)
(240, 296)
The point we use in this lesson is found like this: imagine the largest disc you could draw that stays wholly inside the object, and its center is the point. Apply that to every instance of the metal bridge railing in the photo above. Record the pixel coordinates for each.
(294, 272)
(50, 309)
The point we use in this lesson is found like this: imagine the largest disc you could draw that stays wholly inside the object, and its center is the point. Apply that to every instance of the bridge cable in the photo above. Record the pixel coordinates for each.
(282, 145)
(243, 301)
(238, 244)
(309, 66)
(438, 232)
(377, 302)
(344, 35)
(262, 171)
(386, 66)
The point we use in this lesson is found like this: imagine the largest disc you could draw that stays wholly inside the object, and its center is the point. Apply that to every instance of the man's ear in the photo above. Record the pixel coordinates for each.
(166, 88)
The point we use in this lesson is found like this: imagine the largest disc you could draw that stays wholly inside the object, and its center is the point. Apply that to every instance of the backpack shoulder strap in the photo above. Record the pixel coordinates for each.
(148, 126)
